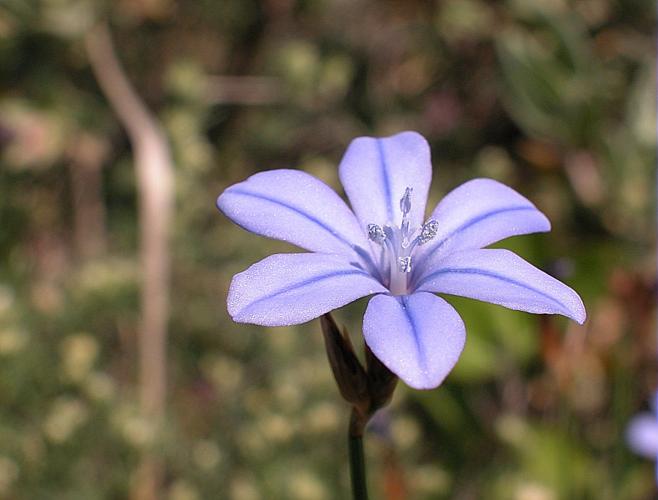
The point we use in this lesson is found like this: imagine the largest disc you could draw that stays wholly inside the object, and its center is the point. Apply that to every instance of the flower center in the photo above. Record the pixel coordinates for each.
(399, 243)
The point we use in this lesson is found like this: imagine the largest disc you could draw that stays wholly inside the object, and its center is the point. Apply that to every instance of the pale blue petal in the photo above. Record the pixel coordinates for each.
(501, 277)
(288, 289)
(376, 171)
(642, 435)
(478, 213)
(293, 206)
(418, 337)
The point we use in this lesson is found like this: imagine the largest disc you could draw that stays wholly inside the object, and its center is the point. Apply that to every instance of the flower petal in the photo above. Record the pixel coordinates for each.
(293, 206)
(418, 337)
(502, 277)
(376, 171)
(478, 213)
(642, 435)
(288, 289)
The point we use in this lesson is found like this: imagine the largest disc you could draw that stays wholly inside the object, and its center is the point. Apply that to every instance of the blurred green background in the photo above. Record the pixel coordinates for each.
(553, 97)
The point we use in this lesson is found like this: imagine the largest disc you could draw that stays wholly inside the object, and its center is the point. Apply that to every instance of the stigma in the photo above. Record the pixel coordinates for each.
(398, 244)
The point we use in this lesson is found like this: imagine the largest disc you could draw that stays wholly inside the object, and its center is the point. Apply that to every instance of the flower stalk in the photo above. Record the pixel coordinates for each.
(366, 389)
(357, 457)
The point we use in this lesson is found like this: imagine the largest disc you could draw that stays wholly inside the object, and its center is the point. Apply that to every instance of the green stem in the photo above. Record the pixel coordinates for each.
(357, 457)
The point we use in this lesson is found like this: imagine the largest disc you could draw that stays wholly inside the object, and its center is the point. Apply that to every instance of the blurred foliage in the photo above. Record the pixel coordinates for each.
(553, 97)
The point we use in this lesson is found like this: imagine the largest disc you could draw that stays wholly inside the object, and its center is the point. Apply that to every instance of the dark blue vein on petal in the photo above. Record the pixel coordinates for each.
(480, 272)
(419, 350)
(472, 221)
(307, 282)
(386, 180)
(306, 215)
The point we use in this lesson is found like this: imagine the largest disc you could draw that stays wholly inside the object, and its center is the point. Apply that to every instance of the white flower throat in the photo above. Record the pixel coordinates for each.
(399, 243)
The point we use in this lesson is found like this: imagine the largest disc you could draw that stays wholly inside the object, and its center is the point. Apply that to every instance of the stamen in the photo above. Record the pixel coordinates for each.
(428, 231)
(405, 207)
(405, 201)
(404, 264)
(376, 233)
(397, 245)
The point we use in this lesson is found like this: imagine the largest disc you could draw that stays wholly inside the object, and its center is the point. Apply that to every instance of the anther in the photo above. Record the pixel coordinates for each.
(405, 207)
(428, 231)
(404, 264)
(376, 233)
(405, 201)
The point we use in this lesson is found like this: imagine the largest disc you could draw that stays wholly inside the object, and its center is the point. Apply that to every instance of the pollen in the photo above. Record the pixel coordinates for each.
(404, 264)
(428, 231)
(376, 233)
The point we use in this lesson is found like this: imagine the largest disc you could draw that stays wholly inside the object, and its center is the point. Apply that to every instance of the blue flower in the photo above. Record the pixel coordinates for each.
(642, 433)
(385, 246)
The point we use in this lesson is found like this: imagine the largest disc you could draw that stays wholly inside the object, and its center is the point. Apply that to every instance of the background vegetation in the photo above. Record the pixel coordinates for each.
(553, 97)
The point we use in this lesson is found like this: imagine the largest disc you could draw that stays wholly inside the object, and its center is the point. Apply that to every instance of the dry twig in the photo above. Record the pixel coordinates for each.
(154, 171)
